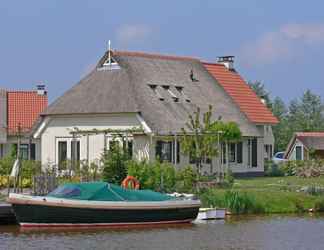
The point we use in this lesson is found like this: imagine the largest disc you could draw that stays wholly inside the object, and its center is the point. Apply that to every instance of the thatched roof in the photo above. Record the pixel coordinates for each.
(128, 90)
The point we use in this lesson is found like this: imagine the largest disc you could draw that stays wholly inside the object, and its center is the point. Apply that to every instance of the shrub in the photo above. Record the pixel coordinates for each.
(299, 204)
(306, 168)
(30, 168)
(229, 178)
(209, 198)
(114, 164)
(273, 170)
(6, 164)
(319, 205)
(153, 175)
(186, 179)
(242, 203)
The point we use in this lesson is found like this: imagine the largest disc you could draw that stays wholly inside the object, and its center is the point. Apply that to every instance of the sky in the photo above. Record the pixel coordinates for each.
(57, 42)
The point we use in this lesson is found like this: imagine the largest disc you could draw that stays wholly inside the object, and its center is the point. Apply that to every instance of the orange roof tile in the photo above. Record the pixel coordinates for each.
(24, 108)
(310, 134)
(242, 94)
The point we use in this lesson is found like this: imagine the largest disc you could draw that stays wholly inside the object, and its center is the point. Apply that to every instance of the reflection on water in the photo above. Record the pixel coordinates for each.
(246, 232)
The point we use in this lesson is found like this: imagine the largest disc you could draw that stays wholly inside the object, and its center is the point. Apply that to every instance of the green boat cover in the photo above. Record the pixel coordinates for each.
(103, 191)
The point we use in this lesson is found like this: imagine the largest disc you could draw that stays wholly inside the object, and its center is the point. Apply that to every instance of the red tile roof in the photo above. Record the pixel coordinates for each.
(24, 108)
(242, 94)
(310, 134)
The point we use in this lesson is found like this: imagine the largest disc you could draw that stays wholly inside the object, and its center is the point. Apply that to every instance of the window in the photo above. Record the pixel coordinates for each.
(168, 151)
(62, 153)
(24, 151)
(224, 153)
(249, 152)
(176, 146)
(130, 149)
(232, 152)
(192, 158)
(110, 64)
(239, 152)
(299, 153)
(254, 145)
(164, 151)
(75, 150)
(156, 92)
(32, 151)
(253, 152)
(267, 151)
(180, 90)
(174, 97)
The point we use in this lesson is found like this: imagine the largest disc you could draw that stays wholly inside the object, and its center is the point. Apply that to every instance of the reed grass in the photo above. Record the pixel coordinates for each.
(266, 195)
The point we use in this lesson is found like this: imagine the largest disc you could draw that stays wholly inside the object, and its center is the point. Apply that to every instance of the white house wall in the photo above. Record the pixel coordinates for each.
(59, 128)
(144, 148)
(7, 147)
(292, 154)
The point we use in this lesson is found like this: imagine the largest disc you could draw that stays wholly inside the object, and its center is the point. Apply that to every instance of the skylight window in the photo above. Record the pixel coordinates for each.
(180, 90)
(173, 95)
(156, 92)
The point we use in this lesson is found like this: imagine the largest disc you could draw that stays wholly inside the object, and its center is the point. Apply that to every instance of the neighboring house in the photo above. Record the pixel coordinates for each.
(18, 112)
(305, 144)
(156, 93)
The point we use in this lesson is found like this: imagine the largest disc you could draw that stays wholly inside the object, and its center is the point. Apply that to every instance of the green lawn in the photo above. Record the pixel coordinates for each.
(275, 183)
(273, 194)
(2, 197)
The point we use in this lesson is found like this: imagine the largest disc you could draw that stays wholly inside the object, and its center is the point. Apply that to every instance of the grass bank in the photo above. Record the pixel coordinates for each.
(2, 197)
(267, 195)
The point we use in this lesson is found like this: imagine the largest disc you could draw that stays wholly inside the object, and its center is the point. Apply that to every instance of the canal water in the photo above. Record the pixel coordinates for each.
(262, 232)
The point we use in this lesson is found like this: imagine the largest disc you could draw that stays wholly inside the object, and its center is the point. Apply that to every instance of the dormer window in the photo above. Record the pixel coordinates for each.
(180, 90)
(154, 88)
(173, 96)
(110, 63)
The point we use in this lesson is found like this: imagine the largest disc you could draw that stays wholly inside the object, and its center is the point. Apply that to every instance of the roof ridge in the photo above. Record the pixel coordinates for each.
(153, 55)
(21, 91)
(213, 63)
(311, 133)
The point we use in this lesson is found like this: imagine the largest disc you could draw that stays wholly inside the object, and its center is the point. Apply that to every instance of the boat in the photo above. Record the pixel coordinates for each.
(211, 214)
(98, 204)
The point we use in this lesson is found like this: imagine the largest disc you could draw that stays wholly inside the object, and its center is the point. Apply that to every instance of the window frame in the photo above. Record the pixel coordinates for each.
(301, 152)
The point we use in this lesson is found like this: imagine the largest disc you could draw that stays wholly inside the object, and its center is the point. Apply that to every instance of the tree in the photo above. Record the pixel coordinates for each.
(200, 139)
(306, 114)
(259, 88)
(114, 164)
(281, 130)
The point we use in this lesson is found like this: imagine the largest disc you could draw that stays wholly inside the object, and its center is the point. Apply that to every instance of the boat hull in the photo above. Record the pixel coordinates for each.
(55, 214)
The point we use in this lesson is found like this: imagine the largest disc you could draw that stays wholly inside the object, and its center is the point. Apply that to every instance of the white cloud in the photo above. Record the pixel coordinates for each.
(311, 33)
(283, 43)
(133, 33)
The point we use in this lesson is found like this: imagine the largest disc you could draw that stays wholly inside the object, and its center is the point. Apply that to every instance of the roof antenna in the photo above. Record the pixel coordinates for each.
(109, 53)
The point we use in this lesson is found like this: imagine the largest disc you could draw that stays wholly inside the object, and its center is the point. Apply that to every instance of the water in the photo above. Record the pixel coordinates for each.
(266, 232)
